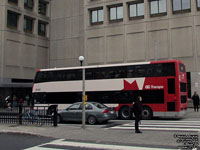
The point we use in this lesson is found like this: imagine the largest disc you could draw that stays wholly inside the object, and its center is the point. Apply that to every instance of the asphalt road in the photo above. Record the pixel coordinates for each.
(20, 141)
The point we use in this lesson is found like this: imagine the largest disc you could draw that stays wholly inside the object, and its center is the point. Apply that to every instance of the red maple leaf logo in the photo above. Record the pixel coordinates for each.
(130, 86)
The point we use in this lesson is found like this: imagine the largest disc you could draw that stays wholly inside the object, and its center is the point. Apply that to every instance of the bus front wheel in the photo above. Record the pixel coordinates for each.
(124, 113)
(147, 113)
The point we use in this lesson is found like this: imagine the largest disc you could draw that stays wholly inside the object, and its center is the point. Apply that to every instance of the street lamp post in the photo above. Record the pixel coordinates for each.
(81, 59)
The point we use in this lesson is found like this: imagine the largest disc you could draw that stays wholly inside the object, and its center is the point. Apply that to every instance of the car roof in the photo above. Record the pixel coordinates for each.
(87, 102)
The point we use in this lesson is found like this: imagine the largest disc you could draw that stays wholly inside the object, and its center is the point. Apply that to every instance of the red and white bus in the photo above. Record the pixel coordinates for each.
(162, 85)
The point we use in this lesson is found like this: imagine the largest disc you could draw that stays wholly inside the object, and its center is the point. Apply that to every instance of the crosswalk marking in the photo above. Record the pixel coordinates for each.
(43, 148)
(163, 125)
(63, 143)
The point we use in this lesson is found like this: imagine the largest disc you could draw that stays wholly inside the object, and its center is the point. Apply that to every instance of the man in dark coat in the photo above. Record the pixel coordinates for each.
(137, 109)
(195, 99)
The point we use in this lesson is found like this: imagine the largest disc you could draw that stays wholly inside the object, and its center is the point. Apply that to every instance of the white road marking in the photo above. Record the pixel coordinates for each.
(163, 125)
(63, 143)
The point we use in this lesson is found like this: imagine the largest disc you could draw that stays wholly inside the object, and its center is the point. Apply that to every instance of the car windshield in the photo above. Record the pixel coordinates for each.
(100, 106)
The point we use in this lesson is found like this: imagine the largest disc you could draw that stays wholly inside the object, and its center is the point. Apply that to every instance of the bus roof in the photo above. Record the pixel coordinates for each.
(109, 65)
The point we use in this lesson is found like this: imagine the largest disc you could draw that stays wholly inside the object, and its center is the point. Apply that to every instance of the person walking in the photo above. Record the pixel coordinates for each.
(195, 99)
(137, 109)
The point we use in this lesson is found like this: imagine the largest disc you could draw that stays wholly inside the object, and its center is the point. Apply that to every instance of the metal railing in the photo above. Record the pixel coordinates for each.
(26, 115)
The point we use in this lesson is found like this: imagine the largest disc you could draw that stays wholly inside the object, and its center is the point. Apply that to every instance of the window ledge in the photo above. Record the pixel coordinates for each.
(136, 17)
(12, 27)
(96, 23)
(116, 20)
(28, 8)
(158, 14)
(182, 11)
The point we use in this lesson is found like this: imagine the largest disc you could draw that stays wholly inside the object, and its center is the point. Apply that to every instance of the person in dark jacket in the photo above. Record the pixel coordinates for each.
(137, 109)
(195, 99)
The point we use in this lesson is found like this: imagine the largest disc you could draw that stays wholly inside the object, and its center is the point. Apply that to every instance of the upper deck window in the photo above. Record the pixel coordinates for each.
(181, 67)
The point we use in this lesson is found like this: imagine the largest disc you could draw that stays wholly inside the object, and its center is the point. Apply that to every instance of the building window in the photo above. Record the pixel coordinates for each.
(180, 6)
(42, 8)
(28, 24)
(136, 10)
(13, 1)
(116, 13)
(97, 16)
(42, 28)
(198, 4)
(158, 7)
(28, 4)
(12, 19)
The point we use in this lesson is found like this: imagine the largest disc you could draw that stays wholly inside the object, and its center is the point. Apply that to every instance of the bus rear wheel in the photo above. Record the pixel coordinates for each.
(124, 113)
(147, 113)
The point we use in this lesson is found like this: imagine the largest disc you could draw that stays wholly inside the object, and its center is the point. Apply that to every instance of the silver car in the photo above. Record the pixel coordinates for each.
(95, 112)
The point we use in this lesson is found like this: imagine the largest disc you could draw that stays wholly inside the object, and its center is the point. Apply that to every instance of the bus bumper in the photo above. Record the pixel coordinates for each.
(178, 114)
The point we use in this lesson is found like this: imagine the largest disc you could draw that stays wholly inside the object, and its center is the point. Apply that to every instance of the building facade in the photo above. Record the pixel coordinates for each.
(54, 33)
(121, 31)
(24, 44)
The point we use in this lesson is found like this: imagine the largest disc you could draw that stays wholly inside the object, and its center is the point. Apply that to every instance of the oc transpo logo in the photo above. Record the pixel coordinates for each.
(154, 87)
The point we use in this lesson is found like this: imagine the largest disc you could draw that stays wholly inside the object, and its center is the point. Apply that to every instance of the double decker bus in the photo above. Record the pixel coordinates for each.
(162, 85)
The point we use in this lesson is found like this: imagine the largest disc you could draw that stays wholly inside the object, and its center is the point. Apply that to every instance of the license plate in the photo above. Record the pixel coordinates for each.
(112, 112)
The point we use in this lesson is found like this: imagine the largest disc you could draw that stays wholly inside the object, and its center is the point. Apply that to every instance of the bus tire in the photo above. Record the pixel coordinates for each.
(124, 113)
(147, 113)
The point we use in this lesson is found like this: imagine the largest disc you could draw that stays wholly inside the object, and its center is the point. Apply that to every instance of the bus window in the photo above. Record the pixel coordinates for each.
(168, 69)
(89, 74)
(171, 86)
(181, 68)
(183, 87)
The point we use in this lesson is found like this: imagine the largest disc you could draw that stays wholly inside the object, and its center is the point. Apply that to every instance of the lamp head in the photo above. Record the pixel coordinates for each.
(81, 58)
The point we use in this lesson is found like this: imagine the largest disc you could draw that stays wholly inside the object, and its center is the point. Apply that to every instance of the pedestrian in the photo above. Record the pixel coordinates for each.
(14, 101)
(137, 109)
(195, 99)
(21, 101)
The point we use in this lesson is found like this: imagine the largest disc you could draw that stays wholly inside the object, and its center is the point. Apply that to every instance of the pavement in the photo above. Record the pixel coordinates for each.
(104, 135)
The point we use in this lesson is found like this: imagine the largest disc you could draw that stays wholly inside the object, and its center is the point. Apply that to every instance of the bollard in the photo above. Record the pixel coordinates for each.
(55, 124)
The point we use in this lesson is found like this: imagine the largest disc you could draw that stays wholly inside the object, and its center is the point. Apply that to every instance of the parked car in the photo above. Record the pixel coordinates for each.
(95, 113)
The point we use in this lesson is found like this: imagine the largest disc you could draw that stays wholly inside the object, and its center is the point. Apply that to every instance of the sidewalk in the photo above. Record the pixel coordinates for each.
(99, 135)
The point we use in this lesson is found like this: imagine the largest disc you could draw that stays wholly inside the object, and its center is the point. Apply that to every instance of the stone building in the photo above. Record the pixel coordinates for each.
(104, 31)
(24, 44)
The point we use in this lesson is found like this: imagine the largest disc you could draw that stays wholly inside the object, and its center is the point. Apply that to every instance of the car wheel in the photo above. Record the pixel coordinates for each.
(147, 113)
(124, 113)
(92, 120)
(59, 119)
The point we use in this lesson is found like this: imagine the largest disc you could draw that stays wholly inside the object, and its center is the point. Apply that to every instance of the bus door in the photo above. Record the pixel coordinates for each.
(171, 95)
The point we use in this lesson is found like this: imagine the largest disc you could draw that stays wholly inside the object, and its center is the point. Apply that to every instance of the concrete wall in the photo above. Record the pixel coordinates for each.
(2, 18)
(167, 37)
(67, 31)
(22, 53)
